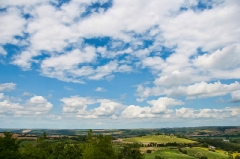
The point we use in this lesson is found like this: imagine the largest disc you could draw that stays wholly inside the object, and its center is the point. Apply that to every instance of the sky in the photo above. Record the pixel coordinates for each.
(109, 64)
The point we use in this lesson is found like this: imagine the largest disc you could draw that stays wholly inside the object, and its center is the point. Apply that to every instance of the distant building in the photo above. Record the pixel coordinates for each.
(225, 140)
(211, 147)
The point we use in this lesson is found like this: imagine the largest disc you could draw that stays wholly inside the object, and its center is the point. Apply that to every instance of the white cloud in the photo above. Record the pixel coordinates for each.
(67, 88)
(8, 107)
(190, 29)
(7, 29)
(48, 28)
(37, 100)
(120, 18)
(38, 105)
(20, 2)
(124, 68)
(184, 34)
(2, 51)
(235, 96)
(76, 106)
(145, 92)
(183, 72)
(65, 66)
(185, 112)
(7, 86)
(102, 71)
(133, 111)
(100, 89)
(208, 113)
(51, 30)
(159, 108)
(69, 60)
(27, 94)
(174, 79)
(35, 106)
(155, 63)
(228, 57)
(201, 90)
(75, 103)
(204, 89)
(107, 108)
(1, 95)
(161, 104)
(24, 59)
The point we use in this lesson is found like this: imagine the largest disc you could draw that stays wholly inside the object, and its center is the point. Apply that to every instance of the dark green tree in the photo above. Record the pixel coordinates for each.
(44, 135)
(237, 157)
(9, 147)
(98, 147)
(130, 151)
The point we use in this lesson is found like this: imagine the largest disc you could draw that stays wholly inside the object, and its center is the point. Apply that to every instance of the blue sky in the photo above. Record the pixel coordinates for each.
(119, 63)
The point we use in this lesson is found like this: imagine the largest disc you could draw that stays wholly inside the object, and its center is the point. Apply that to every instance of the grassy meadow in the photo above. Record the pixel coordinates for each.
(205, 152)
(158, 139)
(168, 154)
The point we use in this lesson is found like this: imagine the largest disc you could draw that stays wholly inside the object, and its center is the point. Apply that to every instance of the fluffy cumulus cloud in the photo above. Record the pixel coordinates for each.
(174, 49)
(204, 89)
(201, 90)
(208, 113)
(33, 107)
(7, 29)
(53, 30)
(235, 96)
(107, 108)
(133, 111)
(7, 86)
(158, 108)
(76, 106)
(227, 58)
(100, 89)
(75, 103)
(160, 105)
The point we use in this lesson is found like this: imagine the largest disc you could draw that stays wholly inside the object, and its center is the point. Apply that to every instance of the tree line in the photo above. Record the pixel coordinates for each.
(95, 147)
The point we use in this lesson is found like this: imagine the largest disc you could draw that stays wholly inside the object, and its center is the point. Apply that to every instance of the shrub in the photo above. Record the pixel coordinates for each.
(237, 157)
(149, 151)
(184, 151)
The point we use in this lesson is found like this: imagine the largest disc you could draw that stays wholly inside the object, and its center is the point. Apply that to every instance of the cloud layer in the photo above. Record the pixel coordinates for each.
(174, 51)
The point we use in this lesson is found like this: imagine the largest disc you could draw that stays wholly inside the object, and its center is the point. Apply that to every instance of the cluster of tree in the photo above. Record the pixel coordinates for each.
(182, 151)
(227, 146)
(9, 147)
(237, 141)
(80, 138)
(95, 147)
(237, 157)
(152, 144)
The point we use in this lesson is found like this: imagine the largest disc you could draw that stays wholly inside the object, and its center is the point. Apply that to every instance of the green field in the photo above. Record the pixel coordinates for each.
(168, 154)
(158, 139)
(211, 155)
(33, 142)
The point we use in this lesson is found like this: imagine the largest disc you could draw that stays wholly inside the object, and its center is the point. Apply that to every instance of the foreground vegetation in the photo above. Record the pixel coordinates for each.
(95, 147)
(100, 144)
